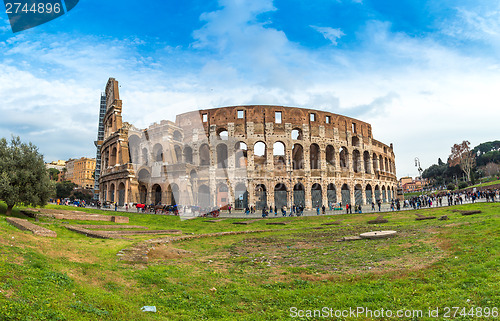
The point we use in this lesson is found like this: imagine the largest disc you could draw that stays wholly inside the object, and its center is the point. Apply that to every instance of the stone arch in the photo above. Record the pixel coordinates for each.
(299, 195)
(240, 152)
(112, 192)
(222, 195)
(260, 154)
(157, 197)
(377, 193)
(143, 194)
(113, 157)
(356, 161)
(241, 196)
(260, 196)
(346, 194)
(316, 195)
(144, 176)
(222, 134)
(344, 158)
(177, 136)
(134, 148)
(188, 155)
(298, 156)
(314, 156)
(330, 157)
(297, 134)
(204, 155)
(381, 163)
(331, 194)
(358, 194)
(369, 194)
(158, 152)
(384, 195)
(387, 168)
(366, 160)
(375, 163)
(204, 199)
(178, 154)
(280, 195)
(279, 155)
(121, 194)
(172, 194)
(221, 156)
(355, 141)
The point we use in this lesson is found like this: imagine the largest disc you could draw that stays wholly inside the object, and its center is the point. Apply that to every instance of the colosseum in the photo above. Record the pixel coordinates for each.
(256, 155)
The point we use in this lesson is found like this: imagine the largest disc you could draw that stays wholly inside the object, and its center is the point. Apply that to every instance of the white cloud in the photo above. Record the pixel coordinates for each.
(330, 33)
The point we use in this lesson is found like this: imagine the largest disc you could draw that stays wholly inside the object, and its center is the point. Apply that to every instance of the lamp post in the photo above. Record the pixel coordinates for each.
(420, 170)
(290, 198)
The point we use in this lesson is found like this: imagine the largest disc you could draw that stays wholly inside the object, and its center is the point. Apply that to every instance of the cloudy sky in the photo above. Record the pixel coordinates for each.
(425, 74)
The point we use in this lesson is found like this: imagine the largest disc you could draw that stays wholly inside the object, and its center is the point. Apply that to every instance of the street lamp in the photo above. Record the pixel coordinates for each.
(290, 198)
(420, 170)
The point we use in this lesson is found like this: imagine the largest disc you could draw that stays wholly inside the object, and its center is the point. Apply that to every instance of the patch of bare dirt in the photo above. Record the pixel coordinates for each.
(166, 252)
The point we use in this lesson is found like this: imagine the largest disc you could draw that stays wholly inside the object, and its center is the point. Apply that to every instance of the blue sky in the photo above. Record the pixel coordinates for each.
(425, 74)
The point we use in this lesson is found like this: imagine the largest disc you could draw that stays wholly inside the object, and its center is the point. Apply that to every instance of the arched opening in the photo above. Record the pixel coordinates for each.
(375, 163)
(384, 195)
(106, 158)
(222, 195)
(121, 194)
(112, 157)
(314, 156)
(112, 193)
(343, 158)
(316, 197)
(241, 196)
(143, 194)
(134, 148)
(204, 155)
(279, 156)
(144, 176)
(358, 194)
(188, 155)
(172, 194)
(177, 136)
(158, 153)
(259, 154)
(280, 195)
(157, 194)
(356, 161)
(368, 194)
(366, 160)
(299, 195)
(178, 154)
(387, 168)
(297, 134)
(331, 194)
(355, 141)
(221, 156)
(298, 157)
(204, 196)
(346, 195)
(330, 157)
(381, 163)
(240, 152)
(260, 196)
(222, 134)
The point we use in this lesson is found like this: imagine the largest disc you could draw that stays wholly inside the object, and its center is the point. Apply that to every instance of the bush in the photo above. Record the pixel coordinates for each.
(462, 185)
(450, 186)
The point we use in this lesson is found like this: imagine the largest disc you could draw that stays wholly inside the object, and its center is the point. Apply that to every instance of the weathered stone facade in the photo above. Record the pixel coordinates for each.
(244, 155)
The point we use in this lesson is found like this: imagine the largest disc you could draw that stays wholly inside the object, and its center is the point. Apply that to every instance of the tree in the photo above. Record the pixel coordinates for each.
(462, 156)
(23, 176)
(53, 174)
(64, 189)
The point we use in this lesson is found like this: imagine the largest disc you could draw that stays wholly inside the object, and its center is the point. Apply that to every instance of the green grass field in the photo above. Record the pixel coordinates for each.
(259, 276)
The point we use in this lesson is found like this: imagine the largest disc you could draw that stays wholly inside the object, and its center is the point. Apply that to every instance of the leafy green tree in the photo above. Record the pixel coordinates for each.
(54, 174)
(23, 176)
(64, 189)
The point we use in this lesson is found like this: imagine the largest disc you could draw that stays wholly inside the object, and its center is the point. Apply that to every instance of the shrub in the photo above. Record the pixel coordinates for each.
(462, 185)
(450, 186)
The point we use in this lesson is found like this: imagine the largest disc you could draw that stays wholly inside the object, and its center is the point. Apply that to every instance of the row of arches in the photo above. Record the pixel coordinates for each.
(365, 162)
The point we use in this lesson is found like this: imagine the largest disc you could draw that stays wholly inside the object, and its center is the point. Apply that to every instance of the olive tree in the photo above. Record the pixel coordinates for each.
(23, 176)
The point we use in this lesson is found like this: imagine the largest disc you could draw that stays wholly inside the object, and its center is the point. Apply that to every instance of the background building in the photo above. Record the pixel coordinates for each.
(81, 172)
